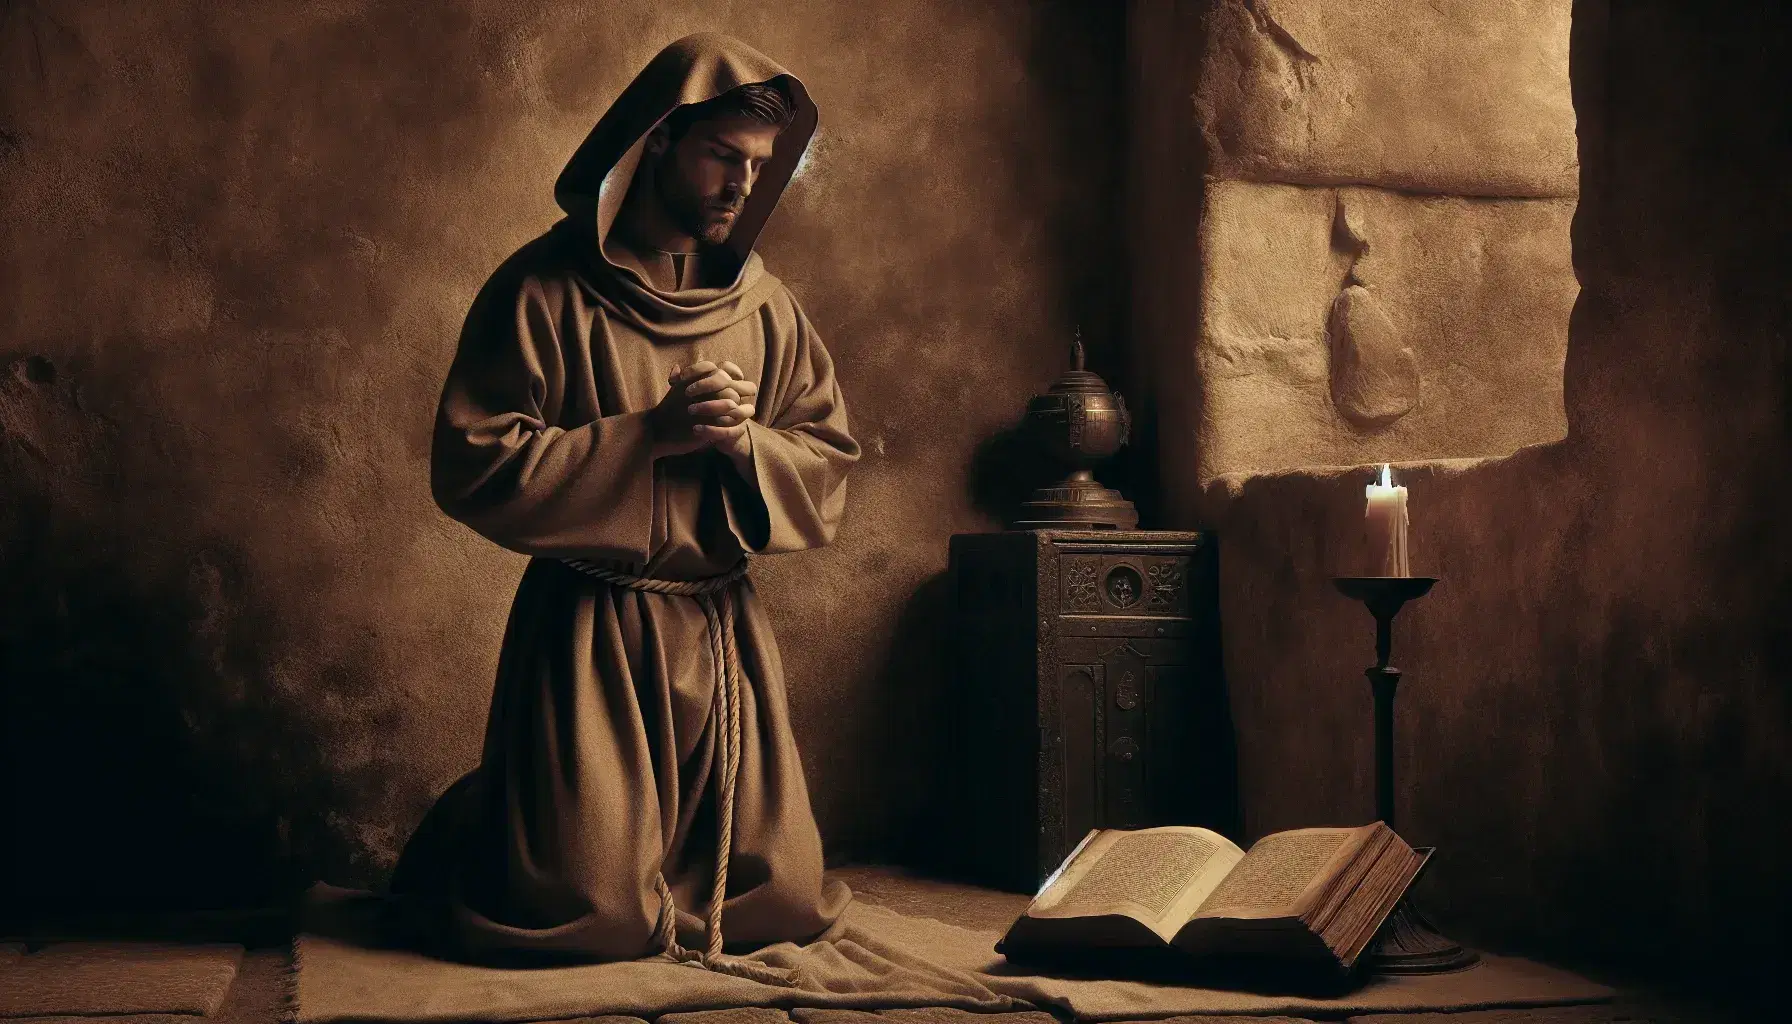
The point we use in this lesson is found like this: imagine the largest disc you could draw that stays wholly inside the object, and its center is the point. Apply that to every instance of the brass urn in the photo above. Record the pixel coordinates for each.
(1080, 423)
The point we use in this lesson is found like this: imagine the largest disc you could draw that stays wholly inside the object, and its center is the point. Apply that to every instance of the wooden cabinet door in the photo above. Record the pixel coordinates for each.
(1125, 739)
(1122, 718)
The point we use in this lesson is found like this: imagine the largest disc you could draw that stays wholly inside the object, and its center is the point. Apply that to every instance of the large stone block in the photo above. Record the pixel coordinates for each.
(1467, 98)
(1344, 326)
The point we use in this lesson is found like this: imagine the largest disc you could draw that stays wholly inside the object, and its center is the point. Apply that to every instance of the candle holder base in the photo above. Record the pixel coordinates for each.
(1408, 944)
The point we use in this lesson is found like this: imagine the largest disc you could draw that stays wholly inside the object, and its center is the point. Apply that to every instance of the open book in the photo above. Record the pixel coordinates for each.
(1315, 895)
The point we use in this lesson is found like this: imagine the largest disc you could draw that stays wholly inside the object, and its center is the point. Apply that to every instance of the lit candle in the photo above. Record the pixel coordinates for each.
(1385, 519)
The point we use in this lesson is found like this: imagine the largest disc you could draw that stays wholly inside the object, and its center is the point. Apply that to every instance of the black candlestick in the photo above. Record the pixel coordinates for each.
(1407, 943)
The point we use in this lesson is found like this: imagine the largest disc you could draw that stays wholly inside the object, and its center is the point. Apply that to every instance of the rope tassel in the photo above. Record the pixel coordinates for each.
(714, 595)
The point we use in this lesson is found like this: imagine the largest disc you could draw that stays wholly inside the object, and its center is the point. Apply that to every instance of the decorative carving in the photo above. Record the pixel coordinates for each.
(1125, 748)
(1124, 586)
(1126, 695)
(1123, 648)
(1166, 586)
(1080, 589)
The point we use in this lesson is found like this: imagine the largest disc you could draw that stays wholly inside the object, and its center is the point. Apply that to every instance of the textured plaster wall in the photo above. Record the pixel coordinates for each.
(239, 647)
(1384, 239)
(1594, 722)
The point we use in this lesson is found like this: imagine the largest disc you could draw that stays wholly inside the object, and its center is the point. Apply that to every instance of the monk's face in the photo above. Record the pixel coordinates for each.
(706, 177)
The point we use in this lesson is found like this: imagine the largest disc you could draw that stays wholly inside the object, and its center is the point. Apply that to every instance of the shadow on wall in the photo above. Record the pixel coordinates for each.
(112, 663)
(1005, 469)
(1078, 183)
(1082, 86)
(913, 693)
(1076, 63)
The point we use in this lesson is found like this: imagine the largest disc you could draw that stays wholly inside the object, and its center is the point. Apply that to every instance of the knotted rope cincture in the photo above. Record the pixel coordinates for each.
(714, 593)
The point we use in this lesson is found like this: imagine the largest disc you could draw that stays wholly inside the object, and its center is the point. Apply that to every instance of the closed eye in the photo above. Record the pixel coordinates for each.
(723, 151)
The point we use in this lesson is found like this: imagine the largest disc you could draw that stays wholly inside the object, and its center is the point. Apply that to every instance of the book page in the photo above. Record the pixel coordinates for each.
(1277, 871)
(1150, 874)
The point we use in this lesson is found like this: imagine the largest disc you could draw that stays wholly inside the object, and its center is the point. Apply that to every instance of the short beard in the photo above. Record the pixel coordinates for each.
(690, 211)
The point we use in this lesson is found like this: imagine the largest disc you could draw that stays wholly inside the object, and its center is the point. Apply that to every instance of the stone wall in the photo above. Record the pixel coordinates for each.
(239, 646)
(1593, 723)
(1384, 238)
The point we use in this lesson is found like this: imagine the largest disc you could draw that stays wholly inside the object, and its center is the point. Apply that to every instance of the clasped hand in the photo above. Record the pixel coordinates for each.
(708, 406)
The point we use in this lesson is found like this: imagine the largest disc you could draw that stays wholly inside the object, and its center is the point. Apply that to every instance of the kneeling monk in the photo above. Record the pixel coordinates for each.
(640, 406)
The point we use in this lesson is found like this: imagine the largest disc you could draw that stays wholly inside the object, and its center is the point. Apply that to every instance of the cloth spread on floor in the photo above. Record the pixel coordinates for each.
(873, 958)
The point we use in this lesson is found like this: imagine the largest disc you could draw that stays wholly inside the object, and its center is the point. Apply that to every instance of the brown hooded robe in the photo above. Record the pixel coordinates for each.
(597, 767)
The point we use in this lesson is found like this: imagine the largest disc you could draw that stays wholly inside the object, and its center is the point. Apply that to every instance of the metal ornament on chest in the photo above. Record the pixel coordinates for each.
(1080, 423)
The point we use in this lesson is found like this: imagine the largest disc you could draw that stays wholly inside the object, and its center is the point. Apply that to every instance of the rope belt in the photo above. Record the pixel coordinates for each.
(715, 595)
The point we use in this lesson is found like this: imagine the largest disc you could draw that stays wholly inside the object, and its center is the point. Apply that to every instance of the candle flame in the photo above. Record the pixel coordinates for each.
(1387, 479)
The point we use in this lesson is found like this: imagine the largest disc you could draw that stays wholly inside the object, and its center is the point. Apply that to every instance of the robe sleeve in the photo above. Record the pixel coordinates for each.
(498, 462)
(801, 449)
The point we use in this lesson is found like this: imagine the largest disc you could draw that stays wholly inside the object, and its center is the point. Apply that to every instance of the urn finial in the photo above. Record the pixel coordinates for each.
(1080, 423)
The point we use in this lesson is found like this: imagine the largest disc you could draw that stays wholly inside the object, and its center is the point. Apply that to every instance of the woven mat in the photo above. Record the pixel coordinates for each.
(878, 959)
(116, 978)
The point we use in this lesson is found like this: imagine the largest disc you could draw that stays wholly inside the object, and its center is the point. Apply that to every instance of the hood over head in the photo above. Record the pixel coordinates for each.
(694, 69)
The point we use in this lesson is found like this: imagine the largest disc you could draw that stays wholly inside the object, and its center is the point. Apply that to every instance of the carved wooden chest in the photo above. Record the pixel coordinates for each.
(1088, 694)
